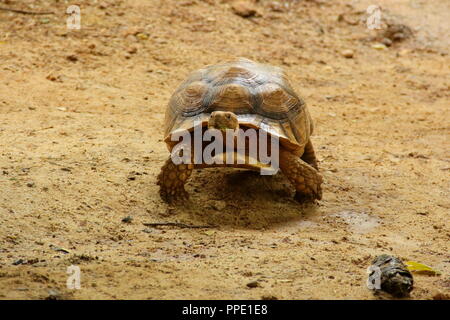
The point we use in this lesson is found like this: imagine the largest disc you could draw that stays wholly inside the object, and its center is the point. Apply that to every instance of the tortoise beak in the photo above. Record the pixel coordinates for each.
(211, 123)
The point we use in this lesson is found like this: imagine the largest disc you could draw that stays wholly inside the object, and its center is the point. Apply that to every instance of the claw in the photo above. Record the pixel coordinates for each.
(304, 198)
(174, 196)
(309, 197)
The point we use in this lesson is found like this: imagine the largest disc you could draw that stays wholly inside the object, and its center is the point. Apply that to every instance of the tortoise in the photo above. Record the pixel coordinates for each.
(242, 94)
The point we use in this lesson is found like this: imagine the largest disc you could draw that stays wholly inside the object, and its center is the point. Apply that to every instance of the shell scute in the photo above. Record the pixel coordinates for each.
(260, 95)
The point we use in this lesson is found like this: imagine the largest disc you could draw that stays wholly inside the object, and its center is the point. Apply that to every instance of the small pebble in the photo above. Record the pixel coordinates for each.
(276, 6)
(269, 298)
(379, 46)
(142, 36)
(53, 295)
(132, 50)
(72, 58)
(18, 262)
(253, 284)
(127, 219)
(348, 53)
(387, 42)
(244, 9)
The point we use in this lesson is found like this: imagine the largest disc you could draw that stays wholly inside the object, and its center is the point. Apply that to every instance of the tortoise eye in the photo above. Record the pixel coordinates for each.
(228, 117)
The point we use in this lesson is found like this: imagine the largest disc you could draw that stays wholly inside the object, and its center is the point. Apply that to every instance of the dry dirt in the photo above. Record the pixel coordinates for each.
(81, 114)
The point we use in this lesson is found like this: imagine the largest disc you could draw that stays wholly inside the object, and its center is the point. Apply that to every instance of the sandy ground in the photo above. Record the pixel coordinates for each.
(81, 114)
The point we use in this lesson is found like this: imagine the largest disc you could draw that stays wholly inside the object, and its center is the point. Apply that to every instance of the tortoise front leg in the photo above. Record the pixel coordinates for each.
(306, 180)
(171, 180)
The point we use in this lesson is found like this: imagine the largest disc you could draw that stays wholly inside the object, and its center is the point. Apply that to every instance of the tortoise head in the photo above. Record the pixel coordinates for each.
(223, 120)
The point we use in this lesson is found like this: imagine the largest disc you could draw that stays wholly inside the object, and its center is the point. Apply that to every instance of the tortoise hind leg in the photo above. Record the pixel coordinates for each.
(306, 179)
(171, 180)
(309, 156)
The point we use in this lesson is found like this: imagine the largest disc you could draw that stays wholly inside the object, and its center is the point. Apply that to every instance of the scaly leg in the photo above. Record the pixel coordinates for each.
(306, 180)
(172, 179)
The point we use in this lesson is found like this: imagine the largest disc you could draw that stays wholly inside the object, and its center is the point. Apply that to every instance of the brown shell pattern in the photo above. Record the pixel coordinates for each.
(260, 95)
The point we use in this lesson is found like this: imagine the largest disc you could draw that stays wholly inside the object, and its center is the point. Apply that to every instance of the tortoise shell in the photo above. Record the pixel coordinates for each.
(260, 95)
